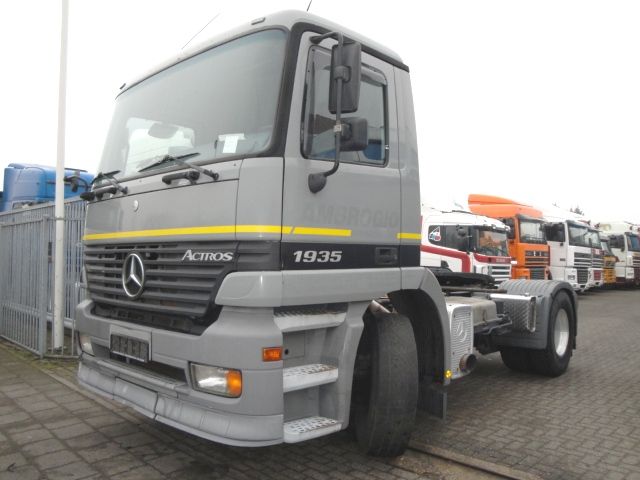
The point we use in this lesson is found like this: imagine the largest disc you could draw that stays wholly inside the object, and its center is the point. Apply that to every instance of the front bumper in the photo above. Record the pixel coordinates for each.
(235, 340)
(168, 402)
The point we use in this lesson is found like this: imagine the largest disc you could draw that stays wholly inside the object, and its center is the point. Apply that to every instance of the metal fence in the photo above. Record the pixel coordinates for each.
(27, 243)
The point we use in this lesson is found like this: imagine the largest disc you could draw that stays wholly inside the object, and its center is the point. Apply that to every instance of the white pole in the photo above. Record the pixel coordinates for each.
(58, 294)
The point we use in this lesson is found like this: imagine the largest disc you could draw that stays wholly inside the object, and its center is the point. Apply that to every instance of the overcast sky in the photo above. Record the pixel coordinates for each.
(534, 100)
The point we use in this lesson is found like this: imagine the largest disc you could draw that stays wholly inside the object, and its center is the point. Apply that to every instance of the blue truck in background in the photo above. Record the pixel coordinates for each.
(28, 184)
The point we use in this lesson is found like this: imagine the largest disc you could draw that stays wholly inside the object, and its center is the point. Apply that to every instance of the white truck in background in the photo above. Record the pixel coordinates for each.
(569, 249)
(465, 242)
(625, 245)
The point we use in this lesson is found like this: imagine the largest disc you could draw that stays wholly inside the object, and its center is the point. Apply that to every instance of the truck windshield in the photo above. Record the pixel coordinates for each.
(220, 103)
(491, 242)
(633, 242)
(532, 232)
(605, 246)
(593, 238)
(578, 235)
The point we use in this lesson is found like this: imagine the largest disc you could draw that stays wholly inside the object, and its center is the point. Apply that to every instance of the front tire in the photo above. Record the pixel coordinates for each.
(385, 393)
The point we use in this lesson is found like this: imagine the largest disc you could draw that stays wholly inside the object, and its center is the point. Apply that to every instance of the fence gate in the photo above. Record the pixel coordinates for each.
(23, 280)
(27, 243)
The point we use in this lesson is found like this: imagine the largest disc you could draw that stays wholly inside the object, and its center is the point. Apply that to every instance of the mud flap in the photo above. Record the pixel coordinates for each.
(432, 399)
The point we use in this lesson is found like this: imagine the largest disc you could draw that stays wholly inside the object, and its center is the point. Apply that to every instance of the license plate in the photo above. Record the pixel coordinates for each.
(130, 347)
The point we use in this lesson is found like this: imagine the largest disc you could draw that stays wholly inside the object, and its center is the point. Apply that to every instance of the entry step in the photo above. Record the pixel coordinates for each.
(308, 428)
(307, 376)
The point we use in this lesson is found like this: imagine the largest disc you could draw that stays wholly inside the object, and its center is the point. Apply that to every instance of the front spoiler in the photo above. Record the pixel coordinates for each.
(164, 402)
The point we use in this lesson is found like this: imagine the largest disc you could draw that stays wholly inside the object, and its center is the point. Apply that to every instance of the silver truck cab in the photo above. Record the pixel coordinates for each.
(230, 290)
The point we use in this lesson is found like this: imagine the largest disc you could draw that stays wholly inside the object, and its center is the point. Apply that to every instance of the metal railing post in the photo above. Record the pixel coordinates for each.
(42, 286)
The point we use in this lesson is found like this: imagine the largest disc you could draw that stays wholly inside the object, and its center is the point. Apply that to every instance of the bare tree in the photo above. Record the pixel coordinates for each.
(577, 210)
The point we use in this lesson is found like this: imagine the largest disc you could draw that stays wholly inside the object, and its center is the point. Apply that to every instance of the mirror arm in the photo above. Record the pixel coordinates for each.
(317, 181)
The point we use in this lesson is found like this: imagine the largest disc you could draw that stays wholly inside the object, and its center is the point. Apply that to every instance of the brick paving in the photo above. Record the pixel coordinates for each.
(582, 425)
(585, 424)
(50, 431)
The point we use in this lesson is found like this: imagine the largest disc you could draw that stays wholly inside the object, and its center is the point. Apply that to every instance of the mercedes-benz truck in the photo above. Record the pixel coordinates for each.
(252, 250)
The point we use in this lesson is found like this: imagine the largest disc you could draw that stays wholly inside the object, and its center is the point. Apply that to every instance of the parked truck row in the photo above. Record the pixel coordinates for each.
(252, 250)
(505, 239)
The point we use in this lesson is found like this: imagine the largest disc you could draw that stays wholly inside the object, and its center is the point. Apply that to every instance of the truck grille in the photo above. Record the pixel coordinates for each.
(536, 273)
(534, 258)
(598, 261)
(583, 275)
(500, 272)
(582, 259)
(636, 261)
(178, 293)
(609, 262)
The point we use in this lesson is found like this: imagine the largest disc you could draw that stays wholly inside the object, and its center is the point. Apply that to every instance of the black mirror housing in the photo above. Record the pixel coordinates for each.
(511, 232)
(349, 68)
(355, 134)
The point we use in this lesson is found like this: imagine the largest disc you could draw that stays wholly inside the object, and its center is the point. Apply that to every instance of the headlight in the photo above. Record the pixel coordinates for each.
(571, 277)
(220, 381)
(85, 343)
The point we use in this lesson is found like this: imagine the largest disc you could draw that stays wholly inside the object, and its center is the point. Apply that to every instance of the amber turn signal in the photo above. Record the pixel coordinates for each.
(272, 354)
(234, 383)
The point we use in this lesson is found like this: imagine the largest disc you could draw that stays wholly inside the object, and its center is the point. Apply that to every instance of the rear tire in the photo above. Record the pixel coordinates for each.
(553, 361)
(385, 392)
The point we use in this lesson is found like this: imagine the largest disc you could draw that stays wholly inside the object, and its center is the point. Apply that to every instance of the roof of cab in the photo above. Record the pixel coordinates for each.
(286, 18)
(493, 206)
(458, 217)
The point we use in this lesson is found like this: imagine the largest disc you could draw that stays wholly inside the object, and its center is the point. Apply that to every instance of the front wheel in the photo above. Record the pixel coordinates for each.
(553, 361)
(385, 392)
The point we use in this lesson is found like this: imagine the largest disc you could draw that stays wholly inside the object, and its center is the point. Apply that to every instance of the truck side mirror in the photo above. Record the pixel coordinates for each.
(348, 67)
(511, 232)
(463, 244)
(355, 134)
(344, 96)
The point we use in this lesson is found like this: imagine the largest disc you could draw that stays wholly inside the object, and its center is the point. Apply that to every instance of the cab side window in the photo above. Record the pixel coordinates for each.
(318, 140)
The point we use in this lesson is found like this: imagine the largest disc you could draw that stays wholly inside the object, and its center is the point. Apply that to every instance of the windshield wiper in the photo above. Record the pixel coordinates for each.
(181, 160)
(103, 175)
(114, 186)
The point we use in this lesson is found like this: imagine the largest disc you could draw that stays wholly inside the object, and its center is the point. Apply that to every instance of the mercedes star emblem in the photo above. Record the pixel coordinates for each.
(133, 275)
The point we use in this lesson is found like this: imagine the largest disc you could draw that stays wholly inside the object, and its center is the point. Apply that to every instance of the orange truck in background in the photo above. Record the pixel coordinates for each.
(527, 240)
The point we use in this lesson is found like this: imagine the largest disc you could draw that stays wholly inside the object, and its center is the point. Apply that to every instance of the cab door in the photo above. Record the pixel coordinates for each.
(354, 221)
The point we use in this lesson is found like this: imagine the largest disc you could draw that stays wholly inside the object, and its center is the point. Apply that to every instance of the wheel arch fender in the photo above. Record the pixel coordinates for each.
(425, 307)
(546, 291)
